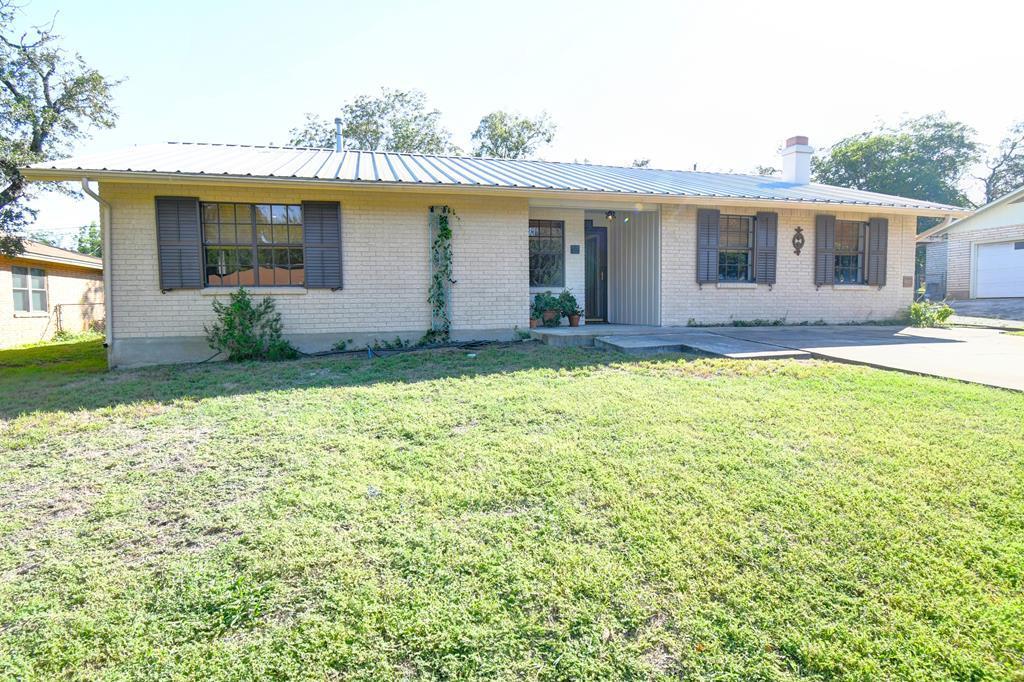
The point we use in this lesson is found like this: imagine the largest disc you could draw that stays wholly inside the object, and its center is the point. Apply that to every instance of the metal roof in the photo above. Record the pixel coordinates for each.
(391, 168)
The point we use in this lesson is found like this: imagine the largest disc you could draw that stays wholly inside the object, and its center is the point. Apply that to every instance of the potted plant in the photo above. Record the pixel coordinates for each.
(547, 309)
(570, 307)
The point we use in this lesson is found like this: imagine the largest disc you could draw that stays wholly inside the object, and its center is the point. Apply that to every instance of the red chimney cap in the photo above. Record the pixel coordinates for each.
(796, 139)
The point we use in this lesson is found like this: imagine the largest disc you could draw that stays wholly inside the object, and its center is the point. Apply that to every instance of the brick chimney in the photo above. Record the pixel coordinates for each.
(796, 160)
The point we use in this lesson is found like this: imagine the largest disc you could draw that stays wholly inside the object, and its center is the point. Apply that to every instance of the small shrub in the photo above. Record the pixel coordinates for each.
(544, 302)
(567, 304)
(928, 314)
(246, 330)
(341, 345)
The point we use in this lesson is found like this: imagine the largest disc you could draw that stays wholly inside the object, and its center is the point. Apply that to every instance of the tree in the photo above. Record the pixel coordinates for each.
(89, 240)
(396, 121)
(49, 99)
(507, 136)
(923, 158)
(766, 170)
(641, 163)
(44, 238)
(1006, 166)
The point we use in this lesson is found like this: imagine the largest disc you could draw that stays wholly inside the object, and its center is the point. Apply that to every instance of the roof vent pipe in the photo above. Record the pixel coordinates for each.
(796, 160)
(337, 135)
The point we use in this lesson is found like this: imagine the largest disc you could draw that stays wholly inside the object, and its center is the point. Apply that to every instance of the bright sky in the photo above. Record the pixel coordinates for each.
(717, 84)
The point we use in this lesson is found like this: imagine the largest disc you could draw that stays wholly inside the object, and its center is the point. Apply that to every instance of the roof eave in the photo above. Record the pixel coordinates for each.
(65, 175)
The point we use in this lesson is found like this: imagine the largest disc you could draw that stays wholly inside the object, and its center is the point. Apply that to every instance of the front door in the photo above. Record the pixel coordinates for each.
(596, 239)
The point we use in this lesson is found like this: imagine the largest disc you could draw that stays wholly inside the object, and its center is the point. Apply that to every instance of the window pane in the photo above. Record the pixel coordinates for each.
(243, 213)
(295, 234)
(20, 277)
(281, 267)
(547, 257)
(280, 234)
(21, 300)
(38, 278)
(210, 213)
(295, 215)
(38, 301)
(279, 214)
(265, 269)
(262, 214)
(210, 233)
(216, 266)
(296, 261)
(246, 273)
(264, 234)
(227, 213)
(244, 233)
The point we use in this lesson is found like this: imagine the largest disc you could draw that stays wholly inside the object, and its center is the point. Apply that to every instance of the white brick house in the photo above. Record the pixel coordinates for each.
(341, 240)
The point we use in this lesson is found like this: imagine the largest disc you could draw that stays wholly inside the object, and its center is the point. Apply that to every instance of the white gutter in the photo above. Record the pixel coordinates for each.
(108, 289)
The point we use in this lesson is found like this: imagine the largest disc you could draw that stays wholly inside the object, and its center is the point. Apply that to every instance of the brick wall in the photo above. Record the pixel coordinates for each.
(794, 297)
(386, 266)
(78, 291)
(960, 253)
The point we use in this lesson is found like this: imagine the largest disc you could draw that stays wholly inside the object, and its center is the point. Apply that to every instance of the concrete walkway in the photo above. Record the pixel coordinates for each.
(984, 356)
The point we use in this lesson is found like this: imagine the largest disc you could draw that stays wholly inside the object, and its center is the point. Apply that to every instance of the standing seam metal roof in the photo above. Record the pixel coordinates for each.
(302, 163)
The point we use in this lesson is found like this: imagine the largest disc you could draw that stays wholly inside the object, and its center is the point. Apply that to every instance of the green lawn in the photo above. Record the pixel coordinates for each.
(530, 513)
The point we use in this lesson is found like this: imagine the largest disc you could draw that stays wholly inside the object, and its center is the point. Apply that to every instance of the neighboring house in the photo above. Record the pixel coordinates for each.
(342, 241)
(980, 256)
(47, 289)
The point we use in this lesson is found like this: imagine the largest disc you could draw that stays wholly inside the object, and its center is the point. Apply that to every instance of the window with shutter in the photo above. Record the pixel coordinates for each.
(323, 255)
(766, 246)
(707, 245)
(824, 249)
(878, 247)
(179, 243)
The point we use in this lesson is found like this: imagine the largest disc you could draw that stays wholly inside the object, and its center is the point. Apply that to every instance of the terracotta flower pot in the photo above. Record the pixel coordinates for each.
(533, 322)
(574, 320)
(550, 315)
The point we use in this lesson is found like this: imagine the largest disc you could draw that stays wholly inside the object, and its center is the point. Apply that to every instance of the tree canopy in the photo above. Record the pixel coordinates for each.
(507, 136)
(1006, 165)
(923, 158)
(394, 121)
(49, 99)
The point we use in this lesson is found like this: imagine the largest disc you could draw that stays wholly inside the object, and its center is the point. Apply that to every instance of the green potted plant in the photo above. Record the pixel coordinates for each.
(547, 309)
(570, 307)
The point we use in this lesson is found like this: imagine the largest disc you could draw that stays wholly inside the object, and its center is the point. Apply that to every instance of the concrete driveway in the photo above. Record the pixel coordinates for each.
(983, 356)
(989, 309)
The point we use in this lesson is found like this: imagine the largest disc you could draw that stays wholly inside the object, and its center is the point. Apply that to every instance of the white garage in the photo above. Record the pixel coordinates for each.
(979, 256)
(1000, 270)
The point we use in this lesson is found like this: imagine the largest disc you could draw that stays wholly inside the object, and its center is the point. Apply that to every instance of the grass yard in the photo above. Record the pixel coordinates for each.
(530, 513)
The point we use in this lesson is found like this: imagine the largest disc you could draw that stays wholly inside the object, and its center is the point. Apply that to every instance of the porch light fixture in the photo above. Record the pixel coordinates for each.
(626, 219)
(610, 215)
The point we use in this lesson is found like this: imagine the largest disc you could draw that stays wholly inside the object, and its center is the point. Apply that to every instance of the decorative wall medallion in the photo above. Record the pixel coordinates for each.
(798, 240)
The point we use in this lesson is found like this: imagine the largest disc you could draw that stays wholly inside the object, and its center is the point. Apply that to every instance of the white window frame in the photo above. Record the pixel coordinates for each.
(28, 272)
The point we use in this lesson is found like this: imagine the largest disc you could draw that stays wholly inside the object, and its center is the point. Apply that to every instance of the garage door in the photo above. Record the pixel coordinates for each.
(1000, 270)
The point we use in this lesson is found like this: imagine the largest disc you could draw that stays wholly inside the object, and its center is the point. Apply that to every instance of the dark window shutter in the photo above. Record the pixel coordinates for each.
(766, 236)
(321, 222)
(179, 243)
(707, 245)
(824, 249)
(878, 246)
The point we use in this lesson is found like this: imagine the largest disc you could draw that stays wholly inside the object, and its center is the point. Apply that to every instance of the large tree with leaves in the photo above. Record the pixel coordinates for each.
(1005, 165)
(394, 121)
(49, 99)
(923, 158)
(507, 136)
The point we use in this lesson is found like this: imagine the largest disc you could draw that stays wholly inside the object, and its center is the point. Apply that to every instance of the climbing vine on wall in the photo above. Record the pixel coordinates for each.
(441, 274)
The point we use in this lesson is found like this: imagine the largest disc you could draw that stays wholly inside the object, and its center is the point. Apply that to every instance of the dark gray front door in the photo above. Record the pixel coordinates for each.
(596, 257)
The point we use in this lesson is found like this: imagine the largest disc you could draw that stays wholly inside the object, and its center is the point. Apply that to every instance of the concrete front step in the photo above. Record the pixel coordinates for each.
(705, 342)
